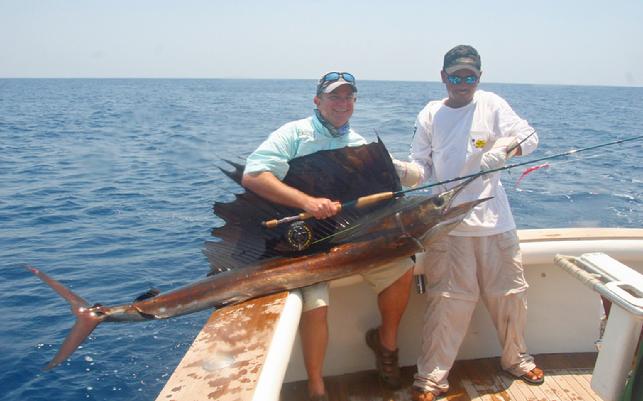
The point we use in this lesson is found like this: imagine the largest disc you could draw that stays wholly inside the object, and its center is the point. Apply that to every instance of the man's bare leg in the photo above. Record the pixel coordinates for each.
(392, 303)
(313, 330)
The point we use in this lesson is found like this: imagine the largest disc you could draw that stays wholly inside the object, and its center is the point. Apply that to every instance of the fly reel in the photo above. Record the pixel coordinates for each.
(299, 235)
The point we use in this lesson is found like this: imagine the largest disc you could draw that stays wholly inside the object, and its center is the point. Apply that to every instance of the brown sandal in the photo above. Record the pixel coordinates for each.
(386, 361)
(421, 395)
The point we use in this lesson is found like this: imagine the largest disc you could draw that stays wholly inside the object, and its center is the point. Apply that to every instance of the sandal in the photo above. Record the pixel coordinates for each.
(386, 361)
(528, 377)
(421, 395)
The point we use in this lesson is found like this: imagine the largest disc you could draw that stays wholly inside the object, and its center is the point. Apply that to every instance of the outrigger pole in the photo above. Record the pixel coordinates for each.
(374, 198)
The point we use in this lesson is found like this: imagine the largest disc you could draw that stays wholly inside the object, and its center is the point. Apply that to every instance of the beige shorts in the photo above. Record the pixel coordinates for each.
(317, 296)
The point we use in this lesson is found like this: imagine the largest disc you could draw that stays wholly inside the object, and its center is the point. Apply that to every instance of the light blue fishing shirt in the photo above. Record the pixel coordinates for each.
(295, 139)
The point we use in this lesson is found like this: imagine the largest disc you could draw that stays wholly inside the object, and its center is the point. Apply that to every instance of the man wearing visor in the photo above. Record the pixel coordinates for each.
(469, 131)
(328, 128)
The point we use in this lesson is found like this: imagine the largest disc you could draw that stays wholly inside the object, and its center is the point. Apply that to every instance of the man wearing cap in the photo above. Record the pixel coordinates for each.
(469, 131)
(327, 129)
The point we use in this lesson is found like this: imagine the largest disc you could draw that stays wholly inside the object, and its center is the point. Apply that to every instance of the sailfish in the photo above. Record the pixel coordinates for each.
(249, 259)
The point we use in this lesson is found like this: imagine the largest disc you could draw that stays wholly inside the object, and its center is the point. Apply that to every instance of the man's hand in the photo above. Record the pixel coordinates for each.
(322, 208)
(265, 184)
(513, 149)
(494, 158)
(503, 150)
(410, 173)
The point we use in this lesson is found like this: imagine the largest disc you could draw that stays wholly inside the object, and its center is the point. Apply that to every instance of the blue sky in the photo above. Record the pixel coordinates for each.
(541, 42)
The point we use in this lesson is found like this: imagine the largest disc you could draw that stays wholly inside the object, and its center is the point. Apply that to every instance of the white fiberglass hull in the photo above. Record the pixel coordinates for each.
(564, 315)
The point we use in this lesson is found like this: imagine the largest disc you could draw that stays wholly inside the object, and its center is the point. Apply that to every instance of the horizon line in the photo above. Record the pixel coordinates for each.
(310, 79)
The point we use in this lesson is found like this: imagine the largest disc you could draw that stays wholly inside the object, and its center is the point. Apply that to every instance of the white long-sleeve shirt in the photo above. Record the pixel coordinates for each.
(450, 142)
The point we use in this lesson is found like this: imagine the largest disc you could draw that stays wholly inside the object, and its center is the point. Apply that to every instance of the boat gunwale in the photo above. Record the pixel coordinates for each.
(579, 234)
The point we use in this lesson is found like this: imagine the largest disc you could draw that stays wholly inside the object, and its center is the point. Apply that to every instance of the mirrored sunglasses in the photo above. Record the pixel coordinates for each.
(455, 80)
(335, 76)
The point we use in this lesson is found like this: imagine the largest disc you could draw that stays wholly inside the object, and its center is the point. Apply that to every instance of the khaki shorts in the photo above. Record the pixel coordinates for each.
(317, 296)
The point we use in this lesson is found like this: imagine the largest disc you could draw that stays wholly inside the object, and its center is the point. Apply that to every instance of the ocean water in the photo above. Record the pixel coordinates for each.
(107, 185)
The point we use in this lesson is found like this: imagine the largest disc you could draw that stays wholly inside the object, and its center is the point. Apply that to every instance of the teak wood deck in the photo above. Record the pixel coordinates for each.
(567, 379)
(227, 358)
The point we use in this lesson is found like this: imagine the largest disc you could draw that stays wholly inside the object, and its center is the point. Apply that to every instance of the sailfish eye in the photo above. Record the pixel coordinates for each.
(438, 201)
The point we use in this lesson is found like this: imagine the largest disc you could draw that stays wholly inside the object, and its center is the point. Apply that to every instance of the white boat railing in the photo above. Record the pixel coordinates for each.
(622, 286)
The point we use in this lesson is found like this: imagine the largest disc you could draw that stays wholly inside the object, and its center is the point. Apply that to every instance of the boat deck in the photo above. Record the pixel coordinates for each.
(567, 379)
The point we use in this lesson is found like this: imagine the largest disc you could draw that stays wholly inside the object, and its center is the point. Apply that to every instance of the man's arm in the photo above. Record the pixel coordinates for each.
(511, 125)
(266, 185)
(421, 153)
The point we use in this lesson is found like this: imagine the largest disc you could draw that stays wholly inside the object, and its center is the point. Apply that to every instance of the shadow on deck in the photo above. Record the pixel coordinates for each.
(567, 379)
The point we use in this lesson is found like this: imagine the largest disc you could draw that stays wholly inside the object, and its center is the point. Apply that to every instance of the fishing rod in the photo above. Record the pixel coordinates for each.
(514, 147)
(380, 196)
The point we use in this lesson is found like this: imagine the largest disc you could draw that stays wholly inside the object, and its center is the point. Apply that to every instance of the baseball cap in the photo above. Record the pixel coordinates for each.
(462, 57)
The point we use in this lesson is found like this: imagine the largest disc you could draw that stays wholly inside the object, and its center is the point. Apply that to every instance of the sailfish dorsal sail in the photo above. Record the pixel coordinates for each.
(343, 175)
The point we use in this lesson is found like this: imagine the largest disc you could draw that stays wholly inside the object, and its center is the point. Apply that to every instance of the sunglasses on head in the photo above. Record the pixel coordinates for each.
(335, 76)
(469, 79)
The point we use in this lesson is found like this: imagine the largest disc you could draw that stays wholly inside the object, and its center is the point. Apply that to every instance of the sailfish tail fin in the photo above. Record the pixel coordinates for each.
(86, 318)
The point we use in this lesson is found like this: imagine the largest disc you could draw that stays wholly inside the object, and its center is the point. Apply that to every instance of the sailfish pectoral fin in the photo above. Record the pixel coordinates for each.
(87, 318)
(151, 293)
